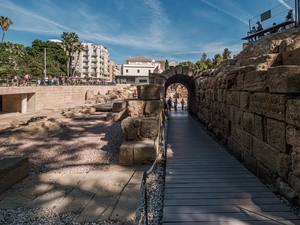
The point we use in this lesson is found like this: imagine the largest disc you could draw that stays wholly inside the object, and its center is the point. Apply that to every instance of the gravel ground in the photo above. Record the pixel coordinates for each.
(67, 147)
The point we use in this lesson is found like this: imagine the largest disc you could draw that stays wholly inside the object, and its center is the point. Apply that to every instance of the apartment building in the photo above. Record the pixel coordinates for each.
(114, 70)
(92, 62)
(137, 70)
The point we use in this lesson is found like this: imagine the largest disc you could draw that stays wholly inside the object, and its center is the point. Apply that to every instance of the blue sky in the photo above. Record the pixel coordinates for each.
(180, 30)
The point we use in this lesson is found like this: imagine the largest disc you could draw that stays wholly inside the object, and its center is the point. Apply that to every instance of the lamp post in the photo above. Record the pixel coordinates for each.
(45, 72)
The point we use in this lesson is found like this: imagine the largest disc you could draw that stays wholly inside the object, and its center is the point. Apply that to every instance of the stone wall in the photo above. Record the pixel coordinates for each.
(41, 97)
(254, 109)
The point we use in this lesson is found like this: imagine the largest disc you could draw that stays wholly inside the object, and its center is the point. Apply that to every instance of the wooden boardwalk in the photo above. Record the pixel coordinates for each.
(207, 185)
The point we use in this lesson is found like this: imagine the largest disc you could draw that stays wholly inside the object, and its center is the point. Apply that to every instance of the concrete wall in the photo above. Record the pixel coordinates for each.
(41, 97)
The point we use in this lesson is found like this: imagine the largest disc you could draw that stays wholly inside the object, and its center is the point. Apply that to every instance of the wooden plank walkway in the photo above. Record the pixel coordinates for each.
(207, 185)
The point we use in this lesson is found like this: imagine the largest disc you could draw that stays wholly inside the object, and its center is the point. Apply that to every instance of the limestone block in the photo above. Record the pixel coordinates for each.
(246, 141)
(178, 69)
(159, 81)
(126, 155)
(185, 70)
(293, 136)
(240, 82)
(250, 162)
(89, 94)
(294, 181)
(244, 100)
(263, 62)
(296, 163)
(255, 81)
(293, 112)
(117, 116)
(248, 122)
(149, 128)
(270, 157)
(236, 132)
(233, 98)
(91, 110)
(131, 128)
(275, 134)
(118, 106)
(238, 151)
(284, 79)
(136, 108)
(153, 108)
(258, 127)
(291, 57)
(12, 170)
(144, 151)
(150, 92)
(265, 173)
(270, 105)
(236, 116)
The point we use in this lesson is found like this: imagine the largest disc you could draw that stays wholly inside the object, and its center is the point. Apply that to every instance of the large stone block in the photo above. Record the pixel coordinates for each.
(249, 122)
(296, 163)
(258, 127)
(131, 128)
(275, 134)
(236, 116)
(150, 92)
(270, 157)
(178, 69)
(269, 105)
(244, 100)
(126, 155)
(119, 106)
(250, 162)
(293, 136)
(12, 170)
(294, 181)
(233, 98)
(284, 79)
(246, 141)
(291, 57)
(136, 108)
(153, 108)
(293, 112)
(149, 128)
(255, 81)
(144, 152)
(117, 116)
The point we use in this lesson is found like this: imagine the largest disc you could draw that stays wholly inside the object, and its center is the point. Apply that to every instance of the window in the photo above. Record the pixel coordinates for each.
(126, 71)
(138, 71)
(149, 71)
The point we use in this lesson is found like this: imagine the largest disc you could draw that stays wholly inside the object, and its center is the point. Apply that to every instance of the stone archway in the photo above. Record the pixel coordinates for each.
(182, 75)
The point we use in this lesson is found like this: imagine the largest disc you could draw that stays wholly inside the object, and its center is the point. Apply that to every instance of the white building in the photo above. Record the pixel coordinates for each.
(137, 70)
(93, 62)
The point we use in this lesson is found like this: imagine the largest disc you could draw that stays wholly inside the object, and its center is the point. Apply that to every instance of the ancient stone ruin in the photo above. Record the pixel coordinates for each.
(252, 106)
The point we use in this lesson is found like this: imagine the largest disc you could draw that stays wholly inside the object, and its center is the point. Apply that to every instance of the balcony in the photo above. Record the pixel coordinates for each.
(85, 66)
(94, 55)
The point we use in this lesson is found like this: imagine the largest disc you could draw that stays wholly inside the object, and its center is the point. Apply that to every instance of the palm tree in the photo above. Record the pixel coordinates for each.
(5, 22)
(78, 48)
(68, 41)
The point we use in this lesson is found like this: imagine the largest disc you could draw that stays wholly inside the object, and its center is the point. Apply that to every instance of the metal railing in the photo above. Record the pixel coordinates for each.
(53, 82)
(143, 190)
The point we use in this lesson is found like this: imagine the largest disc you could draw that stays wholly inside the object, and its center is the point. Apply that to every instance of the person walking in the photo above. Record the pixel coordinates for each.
(175, 104)
(289, 17)
(169, 103)
(182, 104)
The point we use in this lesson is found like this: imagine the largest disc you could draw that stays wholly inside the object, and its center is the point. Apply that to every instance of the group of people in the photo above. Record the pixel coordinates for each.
(289, 17)
(170, 105)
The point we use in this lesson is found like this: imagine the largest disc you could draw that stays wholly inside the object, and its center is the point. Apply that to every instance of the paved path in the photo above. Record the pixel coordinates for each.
(207, 185)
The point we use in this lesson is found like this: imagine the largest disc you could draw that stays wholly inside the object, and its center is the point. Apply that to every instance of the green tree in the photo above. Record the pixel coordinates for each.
(5, 23)
(188, 63)
(226, 54)
(68, 41)
(167, 66)
(217, 60)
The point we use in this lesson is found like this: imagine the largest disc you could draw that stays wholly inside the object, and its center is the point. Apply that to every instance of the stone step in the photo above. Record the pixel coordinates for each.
(12, 170)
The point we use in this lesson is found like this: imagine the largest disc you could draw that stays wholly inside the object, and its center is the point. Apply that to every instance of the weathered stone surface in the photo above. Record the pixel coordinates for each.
(126, 155)
(233, 98)
(270, 157)
(244, 100)
(255, 81)
(246, 141)
(150, 92)
(296, 163)
(136, 108)
(12, 170)
(153, 108)
(294, 181)
(178, 69)
(249, 122)
(250, 162)
(131, 128)
(117, 116)
(275, 133)
(263, 62)
(293, 136)
(284, 79)
(236, 115)
(291, 57)
(144, 151)
(89, 95)
(118, 106)
(258, 127)
(149, 128)
(293, 112)
(269, 105)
